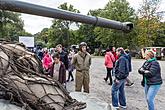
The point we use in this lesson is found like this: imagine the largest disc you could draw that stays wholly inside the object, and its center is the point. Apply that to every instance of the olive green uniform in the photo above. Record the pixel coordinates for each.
(82, 62)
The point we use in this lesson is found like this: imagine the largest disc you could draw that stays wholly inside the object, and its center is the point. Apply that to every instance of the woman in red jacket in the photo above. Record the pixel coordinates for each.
(109, 59)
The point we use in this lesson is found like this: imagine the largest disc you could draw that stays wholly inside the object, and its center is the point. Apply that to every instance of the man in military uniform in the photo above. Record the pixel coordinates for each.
(82, 62)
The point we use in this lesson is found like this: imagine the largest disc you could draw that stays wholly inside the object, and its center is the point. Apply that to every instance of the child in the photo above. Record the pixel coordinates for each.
(57, 70)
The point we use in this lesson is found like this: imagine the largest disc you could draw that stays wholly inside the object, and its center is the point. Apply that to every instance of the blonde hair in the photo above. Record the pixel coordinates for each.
(150, 53)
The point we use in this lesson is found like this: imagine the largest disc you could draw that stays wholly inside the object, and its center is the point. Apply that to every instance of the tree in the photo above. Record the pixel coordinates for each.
(86, 33)
(160, 39)
(121, 11)
(61, 28)
(43, 38)
(148, 22)
(11, 25)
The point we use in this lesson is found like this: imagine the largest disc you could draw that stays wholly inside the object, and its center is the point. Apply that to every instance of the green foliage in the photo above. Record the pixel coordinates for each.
(59, 32)
(61, 28)
(121, 11)
(160, 39)
(145, 33)
(11, 25)
(148, 23)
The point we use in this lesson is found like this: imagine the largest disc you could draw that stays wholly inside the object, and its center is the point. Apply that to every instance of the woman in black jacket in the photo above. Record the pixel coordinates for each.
(152, 80)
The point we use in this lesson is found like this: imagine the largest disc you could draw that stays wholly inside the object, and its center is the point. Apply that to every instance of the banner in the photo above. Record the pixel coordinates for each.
(26, 40)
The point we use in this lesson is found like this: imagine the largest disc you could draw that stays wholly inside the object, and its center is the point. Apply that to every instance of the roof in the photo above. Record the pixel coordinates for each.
(154, 47)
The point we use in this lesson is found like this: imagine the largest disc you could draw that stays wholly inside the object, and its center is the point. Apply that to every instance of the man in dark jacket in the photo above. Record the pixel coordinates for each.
(121, 73)
(63, 55)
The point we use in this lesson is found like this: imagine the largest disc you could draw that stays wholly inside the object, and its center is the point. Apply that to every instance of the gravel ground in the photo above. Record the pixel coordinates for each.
(134, 94)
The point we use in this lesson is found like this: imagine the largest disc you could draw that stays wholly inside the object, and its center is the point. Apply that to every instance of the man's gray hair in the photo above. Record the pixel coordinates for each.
(121, 50)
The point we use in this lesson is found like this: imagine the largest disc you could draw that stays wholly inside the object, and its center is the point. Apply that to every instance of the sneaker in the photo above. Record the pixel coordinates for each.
(124, 107)
(114, 108)
(129, 84)
(105, 79)
(72, 79)
(67, 80)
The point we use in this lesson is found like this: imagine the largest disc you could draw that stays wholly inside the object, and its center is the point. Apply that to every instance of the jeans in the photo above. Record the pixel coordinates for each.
(118, 93)
(150, 93)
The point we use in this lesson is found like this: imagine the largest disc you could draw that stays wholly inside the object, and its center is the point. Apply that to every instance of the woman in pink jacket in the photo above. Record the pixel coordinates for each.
(47, 60)
(109, 59)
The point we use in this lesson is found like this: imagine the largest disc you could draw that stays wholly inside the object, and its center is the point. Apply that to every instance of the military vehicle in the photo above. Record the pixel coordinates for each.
(21, 80)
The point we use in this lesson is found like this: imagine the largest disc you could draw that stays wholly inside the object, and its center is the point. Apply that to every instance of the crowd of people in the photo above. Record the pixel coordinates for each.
(118, 63)
(58, 62)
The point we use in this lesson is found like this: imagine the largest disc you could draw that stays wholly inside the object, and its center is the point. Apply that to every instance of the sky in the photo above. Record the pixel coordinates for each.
(34, 24)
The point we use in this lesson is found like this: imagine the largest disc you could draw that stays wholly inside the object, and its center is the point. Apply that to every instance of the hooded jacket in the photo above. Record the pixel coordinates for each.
(121, 67)
(109, 59)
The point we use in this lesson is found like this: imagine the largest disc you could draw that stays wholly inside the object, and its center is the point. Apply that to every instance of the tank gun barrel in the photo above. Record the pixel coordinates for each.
(23, 7)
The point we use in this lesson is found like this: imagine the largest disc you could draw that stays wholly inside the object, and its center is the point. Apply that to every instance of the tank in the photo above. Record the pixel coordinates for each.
(28, 8)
